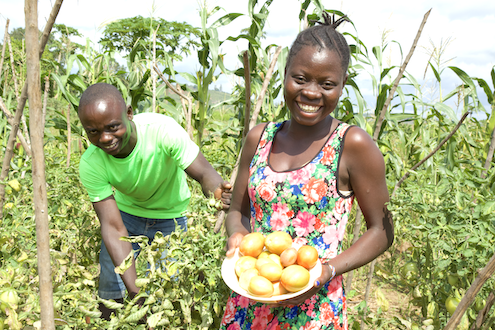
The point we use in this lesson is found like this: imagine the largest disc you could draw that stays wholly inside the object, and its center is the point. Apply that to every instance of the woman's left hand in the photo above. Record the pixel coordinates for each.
(325, 276)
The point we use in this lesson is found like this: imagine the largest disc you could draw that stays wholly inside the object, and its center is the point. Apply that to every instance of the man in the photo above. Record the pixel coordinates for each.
(134, 174)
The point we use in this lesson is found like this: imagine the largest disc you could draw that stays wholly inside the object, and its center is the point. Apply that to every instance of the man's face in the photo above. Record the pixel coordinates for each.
(108, 125)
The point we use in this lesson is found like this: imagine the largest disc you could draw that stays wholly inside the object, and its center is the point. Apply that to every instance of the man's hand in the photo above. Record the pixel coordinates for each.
(224, 194)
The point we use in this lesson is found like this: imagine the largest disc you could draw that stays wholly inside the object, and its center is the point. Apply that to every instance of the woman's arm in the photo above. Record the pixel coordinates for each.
(364, 167)
(361, 169)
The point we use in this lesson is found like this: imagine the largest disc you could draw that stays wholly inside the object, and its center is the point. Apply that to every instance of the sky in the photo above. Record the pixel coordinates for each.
(466, 27)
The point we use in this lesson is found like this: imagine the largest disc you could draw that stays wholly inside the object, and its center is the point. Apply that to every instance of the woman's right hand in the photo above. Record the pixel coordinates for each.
(233, 242)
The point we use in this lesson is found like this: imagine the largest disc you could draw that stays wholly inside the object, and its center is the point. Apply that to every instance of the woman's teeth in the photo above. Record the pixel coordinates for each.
(308, 108)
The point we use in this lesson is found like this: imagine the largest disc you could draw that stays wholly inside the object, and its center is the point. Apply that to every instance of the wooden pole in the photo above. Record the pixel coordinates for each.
(39, 180)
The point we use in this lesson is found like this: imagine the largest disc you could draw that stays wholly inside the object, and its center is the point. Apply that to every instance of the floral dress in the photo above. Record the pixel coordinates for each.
(306, 204)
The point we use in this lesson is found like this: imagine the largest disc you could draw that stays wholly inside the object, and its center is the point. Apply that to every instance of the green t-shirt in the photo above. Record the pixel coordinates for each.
(151, 181)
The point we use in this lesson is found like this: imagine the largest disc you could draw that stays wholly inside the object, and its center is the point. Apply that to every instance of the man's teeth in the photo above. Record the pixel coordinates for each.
(111, 146)
(308, 108)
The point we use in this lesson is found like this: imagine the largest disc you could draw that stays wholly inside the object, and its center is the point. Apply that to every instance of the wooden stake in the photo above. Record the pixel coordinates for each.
(39, 180)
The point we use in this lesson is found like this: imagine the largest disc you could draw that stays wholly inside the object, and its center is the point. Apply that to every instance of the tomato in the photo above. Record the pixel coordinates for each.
(260, 286)
(479, 304)
(295, 278)
(453, 279)
(410, 272)
(307, 256)
(252, 244)
(451, 304)
(417, 292)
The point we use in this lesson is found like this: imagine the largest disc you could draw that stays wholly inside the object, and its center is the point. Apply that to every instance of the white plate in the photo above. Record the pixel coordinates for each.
(230, 278)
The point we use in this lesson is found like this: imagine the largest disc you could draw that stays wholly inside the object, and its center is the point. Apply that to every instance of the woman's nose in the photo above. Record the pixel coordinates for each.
(312, 91)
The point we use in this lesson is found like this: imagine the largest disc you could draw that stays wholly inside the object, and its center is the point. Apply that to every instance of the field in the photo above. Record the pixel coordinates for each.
(439, 172)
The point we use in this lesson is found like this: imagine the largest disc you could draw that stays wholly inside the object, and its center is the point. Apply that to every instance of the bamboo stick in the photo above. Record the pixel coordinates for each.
(3, 46)
(39, 178)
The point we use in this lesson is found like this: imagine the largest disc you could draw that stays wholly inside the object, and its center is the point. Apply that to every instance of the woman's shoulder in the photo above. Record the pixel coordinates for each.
(356, 137)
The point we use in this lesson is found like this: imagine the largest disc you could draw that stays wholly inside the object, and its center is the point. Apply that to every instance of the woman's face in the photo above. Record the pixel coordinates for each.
(313, 84)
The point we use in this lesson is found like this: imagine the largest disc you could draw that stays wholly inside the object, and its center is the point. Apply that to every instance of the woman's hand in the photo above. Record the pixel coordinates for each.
(325, 276)
(233, 242)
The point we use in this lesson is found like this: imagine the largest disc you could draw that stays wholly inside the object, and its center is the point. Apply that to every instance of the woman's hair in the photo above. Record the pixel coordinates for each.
(325, 36)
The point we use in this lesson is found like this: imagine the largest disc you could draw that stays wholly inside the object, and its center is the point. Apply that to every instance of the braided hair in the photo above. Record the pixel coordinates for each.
(324, 36)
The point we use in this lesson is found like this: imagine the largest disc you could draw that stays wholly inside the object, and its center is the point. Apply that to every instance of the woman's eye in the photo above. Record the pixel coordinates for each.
(299, 79)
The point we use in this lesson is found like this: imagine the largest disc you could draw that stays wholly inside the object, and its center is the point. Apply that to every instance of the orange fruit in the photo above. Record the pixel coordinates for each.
(252, 244)
(307, 256)
(278, 241)
(294, 278)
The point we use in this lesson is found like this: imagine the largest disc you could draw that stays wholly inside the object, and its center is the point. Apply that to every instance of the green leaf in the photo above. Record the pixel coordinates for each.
(225, 20)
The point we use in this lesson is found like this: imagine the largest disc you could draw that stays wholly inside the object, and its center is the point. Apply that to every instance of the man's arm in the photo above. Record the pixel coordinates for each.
(112, 228)
(211, 182)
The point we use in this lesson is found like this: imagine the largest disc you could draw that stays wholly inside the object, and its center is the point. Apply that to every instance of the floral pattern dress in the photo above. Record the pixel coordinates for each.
(306, 204)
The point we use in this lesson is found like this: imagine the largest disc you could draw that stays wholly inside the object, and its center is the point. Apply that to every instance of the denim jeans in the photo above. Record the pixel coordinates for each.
(111, 285)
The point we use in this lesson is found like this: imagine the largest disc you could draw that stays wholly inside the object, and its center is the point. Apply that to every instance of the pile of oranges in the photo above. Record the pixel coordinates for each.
(270, 266)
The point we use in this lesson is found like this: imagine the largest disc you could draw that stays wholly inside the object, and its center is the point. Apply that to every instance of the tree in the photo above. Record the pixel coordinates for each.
(175, 38)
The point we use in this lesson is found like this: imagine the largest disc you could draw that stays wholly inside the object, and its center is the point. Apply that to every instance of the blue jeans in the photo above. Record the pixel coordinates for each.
(111, 285)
